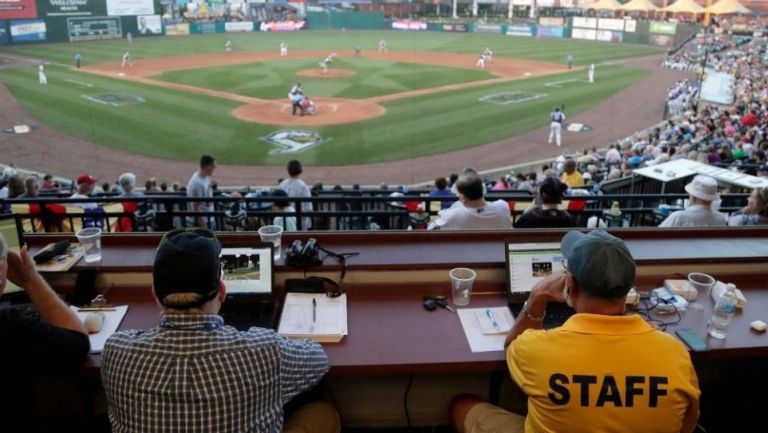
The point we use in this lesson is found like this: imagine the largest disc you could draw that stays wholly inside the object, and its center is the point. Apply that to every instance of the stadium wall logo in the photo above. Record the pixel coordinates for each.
(511, 97)
(294, 141)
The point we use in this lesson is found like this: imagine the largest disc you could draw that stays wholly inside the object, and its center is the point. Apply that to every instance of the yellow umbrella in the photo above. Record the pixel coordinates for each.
(685, 6)
(728, 7)
(639, 5)
(605, 4)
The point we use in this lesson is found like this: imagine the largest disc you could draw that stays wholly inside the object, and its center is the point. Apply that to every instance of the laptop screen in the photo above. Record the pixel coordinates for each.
(247, 270)
(10, 232)
(527, 264)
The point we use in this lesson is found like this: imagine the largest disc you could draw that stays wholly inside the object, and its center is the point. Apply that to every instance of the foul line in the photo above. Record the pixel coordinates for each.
(557, 83)
(79, 83)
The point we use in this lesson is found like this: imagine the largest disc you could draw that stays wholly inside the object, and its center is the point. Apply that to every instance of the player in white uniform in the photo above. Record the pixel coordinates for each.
(557, 117)
(591, 72)
(129, 37)
(228, 46)
(488, 55)
(326, 62)
(127, 60)
(383, 46)
(41, 74)
(283, 49)
(481, 61)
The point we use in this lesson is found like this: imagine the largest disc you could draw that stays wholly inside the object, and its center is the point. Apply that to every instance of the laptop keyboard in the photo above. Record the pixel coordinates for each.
(243, 317)
(557, 313)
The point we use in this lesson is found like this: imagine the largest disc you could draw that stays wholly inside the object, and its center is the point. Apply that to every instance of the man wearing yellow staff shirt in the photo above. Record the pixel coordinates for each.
(571, 176)
(603, 370)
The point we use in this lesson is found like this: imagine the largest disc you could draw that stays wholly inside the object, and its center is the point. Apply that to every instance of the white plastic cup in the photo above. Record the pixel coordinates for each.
(272, 234)
(90, 242)
(703, 284)
(462, 280)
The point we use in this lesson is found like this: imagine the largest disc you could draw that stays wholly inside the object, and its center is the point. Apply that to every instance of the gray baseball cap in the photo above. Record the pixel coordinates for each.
(600, 263)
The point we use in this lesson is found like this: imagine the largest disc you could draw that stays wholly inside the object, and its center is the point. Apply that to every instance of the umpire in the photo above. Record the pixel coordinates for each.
(296, 95)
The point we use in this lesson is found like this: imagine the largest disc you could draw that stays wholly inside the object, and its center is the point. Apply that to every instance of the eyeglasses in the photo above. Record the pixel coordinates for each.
(200, 231)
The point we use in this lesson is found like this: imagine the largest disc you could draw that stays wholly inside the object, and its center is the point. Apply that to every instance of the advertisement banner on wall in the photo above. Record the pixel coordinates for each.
(282, 26)
(488, 28)
(663, 28)
(610, 24)
(609, 36)
(130, 7)
(588, 34)
(177, 29)
(519, 30)
(240, 26)
(409, 25)
(630, 26)
(550, 31)
(28, 30)
(661, 40)
(149, 25)
(585, 23)
(552, 21)
(4, 37)
(454, 27)
(71, 8)
(10, 9)
(207, 27)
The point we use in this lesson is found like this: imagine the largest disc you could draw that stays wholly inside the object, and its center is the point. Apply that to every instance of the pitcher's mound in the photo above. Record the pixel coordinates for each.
(331, 73)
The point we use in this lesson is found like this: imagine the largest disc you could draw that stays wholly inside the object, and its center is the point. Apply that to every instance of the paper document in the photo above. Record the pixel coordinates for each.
(475, 320)
(314, 316)
(112, 321)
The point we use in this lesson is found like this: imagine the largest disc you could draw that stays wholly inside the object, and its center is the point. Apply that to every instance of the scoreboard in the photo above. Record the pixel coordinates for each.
(92, 28)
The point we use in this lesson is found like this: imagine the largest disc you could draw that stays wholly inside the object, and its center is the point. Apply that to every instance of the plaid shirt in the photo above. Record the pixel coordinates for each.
(193, 374)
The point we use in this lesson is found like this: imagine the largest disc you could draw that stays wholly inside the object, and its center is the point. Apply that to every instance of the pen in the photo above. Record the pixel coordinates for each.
(493, 320)
(314, 310)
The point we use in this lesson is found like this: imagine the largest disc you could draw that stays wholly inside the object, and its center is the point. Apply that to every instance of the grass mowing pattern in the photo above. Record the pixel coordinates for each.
(181, 125)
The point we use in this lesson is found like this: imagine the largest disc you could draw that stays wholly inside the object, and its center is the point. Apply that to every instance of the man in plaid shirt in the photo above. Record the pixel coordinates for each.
(194, 374)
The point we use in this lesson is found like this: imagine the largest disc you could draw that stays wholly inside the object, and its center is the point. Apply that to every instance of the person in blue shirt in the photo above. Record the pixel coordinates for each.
(442, 190)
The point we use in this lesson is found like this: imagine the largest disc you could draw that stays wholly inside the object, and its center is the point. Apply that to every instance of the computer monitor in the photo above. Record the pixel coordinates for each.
(10, 228)
(527, 264)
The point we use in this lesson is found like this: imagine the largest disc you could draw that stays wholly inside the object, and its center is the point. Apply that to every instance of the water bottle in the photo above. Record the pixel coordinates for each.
(724, 309)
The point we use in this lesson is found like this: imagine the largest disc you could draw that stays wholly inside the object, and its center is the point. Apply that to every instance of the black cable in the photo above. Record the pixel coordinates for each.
(405, 402)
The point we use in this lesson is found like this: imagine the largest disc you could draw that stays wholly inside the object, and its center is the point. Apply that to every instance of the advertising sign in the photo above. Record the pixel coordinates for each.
(488, 28)
(28, 30)
(71, 8)
(521, 2)
(130, 7)
(207, 27)
(282, 26)
(551, 21)
(550, 31)
(149, 25)
(630, 26)
(409, 25)
(660, 40)
(10, 9)
(177, 29)
(586, 23)
(4, 37)
(241, 26)
(519, 30)
(588, 34)
(663, 28)
(94, 28)
(609, 36)
(610, 24)
(454, 27)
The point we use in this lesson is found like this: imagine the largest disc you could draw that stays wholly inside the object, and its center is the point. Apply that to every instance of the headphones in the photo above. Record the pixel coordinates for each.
(304, 256)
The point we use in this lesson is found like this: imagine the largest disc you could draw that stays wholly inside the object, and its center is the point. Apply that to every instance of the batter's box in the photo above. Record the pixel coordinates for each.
(511, 97)
(114, 99)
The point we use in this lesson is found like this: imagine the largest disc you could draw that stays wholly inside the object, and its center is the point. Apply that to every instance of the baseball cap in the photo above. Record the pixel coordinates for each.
(703, 188)
(600, 263)
(187, 261)
(86, 178)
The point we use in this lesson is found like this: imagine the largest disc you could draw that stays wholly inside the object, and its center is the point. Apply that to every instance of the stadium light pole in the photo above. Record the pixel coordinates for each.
(454, 10)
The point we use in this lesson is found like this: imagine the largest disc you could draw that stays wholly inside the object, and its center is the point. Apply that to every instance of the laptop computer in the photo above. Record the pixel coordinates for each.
(248, 274)
(527, 264)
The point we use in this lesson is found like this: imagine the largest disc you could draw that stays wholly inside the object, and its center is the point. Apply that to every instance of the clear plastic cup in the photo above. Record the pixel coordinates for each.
(703, 284)
(90, 242)
(272, 234)
(462, 280)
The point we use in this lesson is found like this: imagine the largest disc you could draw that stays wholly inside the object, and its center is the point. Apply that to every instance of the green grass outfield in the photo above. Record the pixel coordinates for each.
(179, 125)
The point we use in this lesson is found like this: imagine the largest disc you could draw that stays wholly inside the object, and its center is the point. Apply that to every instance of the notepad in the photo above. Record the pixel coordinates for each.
(324, 322)
(112, 321)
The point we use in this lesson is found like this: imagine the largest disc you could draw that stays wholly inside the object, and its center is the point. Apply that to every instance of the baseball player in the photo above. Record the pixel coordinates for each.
(383, 46)
(296, 95)
(358, 51)
(78, 58)
(326, 62)
(481, 61)
(228, 47)
(488, 55)
(129, 37)
(557, 117)
(41, 74)
(283, 49)
(591, 72)
(569, 59)
(127, 60)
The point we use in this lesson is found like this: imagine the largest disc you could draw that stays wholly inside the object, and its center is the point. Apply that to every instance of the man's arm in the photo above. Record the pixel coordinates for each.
(303, 363)
(53, 311)
(531, 317)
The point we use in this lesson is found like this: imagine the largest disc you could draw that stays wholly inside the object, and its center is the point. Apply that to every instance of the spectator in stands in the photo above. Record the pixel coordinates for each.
(546, 214)
(755, 212)
(571, 176)
(613, 155)
(127, 182)
(288, 223)
(193, 373)
(442, 190)
(85, 185)
(702, 192)
(49, 185)
(473, 211)
(15, 186)
(296, 188)
(501, 184)
(199, 185)
(602, 370)
(32, 187)
(53, 344)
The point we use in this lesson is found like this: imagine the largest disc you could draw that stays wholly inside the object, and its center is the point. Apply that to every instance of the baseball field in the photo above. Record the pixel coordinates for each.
(184, 96)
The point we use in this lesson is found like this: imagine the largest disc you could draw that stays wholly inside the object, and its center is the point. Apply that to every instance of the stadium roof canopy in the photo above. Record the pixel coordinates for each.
(685, 6)
(640, 5)
(604, 5)
(728, 7)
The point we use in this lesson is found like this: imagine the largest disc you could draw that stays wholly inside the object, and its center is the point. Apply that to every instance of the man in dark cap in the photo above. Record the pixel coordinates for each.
(546, 214)
(194, 374)
(602, 370)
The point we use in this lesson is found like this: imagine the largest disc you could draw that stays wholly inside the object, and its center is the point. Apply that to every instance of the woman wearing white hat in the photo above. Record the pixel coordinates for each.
(702, 191)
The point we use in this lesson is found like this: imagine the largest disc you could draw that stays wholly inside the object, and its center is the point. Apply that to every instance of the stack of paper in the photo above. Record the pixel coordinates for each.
(314, 316)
